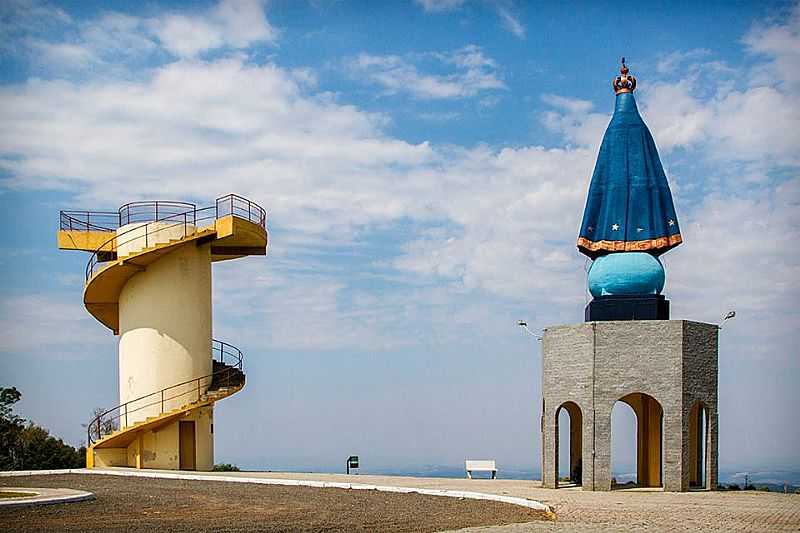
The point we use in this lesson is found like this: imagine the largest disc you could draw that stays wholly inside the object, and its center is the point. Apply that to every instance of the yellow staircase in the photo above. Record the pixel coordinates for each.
(110, 429)
(123, 244)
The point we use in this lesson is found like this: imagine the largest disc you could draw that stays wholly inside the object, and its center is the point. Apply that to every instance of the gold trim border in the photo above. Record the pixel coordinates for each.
(630, 246)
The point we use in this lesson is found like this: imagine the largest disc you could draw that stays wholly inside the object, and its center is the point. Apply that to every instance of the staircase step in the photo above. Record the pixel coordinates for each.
(234, 380)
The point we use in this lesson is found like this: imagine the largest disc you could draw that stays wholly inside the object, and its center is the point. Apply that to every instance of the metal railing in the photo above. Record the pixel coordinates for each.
(241, 207)
(127, 214)
(157, 219)
(148, 234)
(133, 212)
(188, 392)
(89, 220)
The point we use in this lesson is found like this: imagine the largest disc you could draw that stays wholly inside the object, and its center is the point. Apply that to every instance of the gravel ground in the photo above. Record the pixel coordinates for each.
(622, 510)
(131, 504)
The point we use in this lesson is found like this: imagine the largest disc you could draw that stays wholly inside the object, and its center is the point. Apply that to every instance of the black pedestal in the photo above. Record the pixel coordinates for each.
(644, 307)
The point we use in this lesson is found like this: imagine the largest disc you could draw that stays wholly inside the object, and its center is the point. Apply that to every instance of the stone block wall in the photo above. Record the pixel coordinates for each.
(595, 364)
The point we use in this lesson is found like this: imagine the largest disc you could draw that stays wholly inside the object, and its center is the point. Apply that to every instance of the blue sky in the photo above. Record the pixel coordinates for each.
(424, 165)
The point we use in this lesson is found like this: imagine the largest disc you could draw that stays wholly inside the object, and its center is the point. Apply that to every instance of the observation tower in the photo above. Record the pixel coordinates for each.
(628, 350)
(148, 280)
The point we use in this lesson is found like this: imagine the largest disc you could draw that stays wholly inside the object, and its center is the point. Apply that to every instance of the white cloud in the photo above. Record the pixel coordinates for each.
(474, 73)
(231, 23)
(119, 140)
(510, 22)
(748, 116)
(186, 36)
(756, 123)
(574, 119)
(751, 251)
(678, 60)
(675, 116)
(106, 43)
(735, 257)
(439, 6)
(779, 43)
(739, 116)
(59, 44)
(63, 55)
(503, 8)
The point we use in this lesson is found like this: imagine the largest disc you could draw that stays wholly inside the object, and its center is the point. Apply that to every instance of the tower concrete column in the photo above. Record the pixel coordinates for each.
(165, 331)
(165, 340)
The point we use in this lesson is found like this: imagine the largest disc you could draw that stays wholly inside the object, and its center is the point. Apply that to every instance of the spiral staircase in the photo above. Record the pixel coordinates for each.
(126, 242)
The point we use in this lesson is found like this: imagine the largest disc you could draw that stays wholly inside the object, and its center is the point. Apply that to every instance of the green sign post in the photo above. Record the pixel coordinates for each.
(352, 462)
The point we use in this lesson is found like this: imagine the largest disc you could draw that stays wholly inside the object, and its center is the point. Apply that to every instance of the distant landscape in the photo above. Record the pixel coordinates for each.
(773, 479)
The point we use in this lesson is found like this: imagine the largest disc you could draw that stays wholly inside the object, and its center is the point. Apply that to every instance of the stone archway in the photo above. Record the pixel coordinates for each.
(649, 438)
(698, 446)
(575, 442)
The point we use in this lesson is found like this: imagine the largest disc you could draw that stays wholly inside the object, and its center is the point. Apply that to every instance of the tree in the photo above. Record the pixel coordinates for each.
(107, 424)
(225, 467)
(11, 426)
(8, 397)
(30, 447)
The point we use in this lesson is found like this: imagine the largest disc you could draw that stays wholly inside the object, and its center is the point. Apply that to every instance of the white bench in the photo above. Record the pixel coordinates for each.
(480, 466)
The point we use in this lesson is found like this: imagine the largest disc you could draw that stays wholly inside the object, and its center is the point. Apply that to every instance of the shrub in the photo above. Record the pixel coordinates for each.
(226, 467)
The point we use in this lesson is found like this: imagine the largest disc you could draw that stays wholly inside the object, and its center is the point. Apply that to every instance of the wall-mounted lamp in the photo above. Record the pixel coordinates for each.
(728, 316)
(524, 325)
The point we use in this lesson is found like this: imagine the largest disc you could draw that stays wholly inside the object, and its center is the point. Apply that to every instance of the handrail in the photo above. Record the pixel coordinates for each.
(108, 421)
(133, 212)
(236, 205)
(147, 231)
(89, 220)
(129, 213)
(187, 217)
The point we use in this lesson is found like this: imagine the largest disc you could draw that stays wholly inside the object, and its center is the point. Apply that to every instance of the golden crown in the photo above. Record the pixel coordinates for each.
(624, 83)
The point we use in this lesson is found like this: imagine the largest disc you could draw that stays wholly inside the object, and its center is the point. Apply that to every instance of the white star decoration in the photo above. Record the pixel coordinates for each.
(615, 227)
(639, 230)
(671, 222)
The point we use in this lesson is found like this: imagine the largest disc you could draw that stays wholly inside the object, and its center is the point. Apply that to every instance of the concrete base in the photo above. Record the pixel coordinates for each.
(163, 448)
(666, 370)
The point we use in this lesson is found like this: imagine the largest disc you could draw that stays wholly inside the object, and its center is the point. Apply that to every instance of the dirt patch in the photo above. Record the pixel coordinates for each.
(126, 504)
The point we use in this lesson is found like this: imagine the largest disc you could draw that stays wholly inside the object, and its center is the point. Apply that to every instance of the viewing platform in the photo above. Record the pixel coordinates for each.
(125, 242)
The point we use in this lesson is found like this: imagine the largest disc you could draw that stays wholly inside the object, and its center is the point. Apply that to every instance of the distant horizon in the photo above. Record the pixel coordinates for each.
(386, 464)
(726, 474)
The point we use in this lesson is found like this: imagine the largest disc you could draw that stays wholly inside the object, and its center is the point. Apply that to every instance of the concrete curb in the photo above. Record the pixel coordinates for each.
(513, 500)
(44, 496)
(17, 473)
